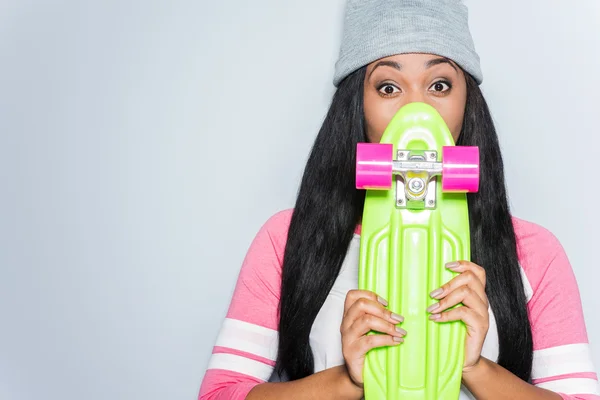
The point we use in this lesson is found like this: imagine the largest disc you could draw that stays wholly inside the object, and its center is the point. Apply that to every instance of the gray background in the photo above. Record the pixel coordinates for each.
(124, 212)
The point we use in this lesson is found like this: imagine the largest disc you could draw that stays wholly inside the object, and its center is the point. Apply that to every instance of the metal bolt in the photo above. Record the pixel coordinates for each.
(430, 202)
(400, 155)
(431, 155)
(416, 184)
(400, 201)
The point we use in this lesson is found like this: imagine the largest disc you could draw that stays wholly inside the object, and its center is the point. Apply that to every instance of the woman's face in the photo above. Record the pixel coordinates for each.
(394, 81)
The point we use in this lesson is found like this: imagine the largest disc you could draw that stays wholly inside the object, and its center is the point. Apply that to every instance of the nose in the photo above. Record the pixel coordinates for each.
(416, 96)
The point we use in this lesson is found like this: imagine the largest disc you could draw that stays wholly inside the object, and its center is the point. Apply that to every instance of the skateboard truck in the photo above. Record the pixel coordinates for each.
(416, 171)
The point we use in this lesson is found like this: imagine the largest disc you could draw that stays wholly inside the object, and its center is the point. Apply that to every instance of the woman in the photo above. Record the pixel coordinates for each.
(296, 315)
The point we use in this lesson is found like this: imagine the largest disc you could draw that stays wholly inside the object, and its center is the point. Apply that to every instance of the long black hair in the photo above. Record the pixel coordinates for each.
(329, 207)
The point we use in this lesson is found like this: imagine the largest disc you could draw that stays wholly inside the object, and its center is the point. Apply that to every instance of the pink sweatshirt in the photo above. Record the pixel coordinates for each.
(246, 349)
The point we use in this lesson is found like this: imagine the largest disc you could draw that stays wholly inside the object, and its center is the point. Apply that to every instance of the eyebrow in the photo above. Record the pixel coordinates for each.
(393, 64)
(438, 61)
(396, 65)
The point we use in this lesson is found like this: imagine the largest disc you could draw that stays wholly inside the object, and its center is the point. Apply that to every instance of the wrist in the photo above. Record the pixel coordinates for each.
(348, 389)
(475, 371)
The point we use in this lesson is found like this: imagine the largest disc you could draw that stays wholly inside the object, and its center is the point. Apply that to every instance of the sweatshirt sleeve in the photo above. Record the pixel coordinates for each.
(246, 348)
(562, 360)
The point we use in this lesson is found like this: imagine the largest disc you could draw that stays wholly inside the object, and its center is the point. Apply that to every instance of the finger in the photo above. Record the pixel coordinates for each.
(364, 306)
(464, 295)
(353, 295)
(467, 278)
(369, 342)
(474, 322)
(369, 322)
(463, 266)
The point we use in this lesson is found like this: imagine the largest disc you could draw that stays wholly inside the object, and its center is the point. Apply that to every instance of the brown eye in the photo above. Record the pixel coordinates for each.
(388, 89)
(440, 86)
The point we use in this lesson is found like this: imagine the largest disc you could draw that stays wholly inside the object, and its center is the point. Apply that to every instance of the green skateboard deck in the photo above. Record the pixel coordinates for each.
(405, 244)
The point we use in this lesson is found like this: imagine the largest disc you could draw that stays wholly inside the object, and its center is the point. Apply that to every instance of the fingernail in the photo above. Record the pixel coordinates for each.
(397, 317)
(433, 307)
(436, 292)
(434, 316)
(382, 301)
(400, 330)
(398, 339)
(452, 265)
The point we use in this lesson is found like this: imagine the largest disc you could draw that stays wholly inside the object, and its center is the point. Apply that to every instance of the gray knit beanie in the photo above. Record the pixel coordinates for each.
(375, 29)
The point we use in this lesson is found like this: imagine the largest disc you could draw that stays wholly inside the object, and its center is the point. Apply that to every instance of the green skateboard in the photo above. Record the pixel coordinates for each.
(415, 220)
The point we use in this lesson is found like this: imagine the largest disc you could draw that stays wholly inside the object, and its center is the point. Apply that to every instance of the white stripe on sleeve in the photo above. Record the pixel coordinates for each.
(249, 338)
(562, 360)
(572, 386)
(242, 365)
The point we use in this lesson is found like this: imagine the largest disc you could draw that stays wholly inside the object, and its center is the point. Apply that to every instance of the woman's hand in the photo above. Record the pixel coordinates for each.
(364, 311)
(467, 288)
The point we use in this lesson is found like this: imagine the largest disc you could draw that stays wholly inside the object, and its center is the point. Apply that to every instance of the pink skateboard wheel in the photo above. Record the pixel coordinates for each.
(460, 169)
(374, 166)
